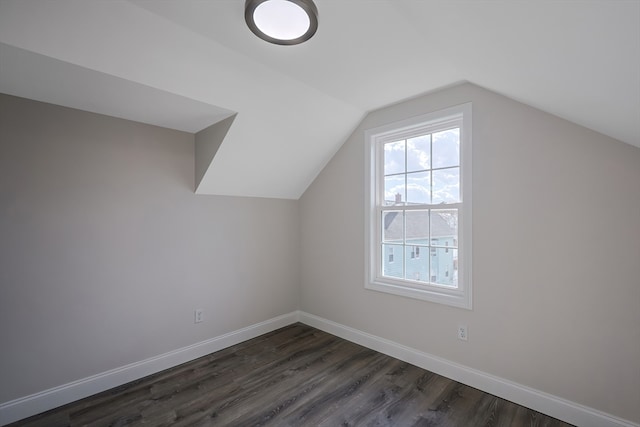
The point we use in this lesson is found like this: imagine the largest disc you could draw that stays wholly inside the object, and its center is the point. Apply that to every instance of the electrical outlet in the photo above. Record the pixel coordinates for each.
(463, 333)
(198, 315)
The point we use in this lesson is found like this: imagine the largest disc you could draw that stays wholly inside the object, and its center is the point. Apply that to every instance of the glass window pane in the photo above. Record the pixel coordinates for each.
(392, 227)
(417, 263)
(394, 157)
(418, 188)
(444, 227)
(417, 226)
(394, 190)
(446, 186)
(446, 148)
(393, 261)
(442, 267)
(419, 153)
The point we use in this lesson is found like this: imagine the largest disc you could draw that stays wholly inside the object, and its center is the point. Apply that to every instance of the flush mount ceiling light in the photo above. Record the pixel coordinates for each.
(284, 22)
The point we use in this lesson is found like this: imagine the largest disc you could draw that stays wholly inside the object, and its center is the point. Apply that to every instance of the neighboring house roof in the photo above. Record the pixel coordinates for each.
(443, 224)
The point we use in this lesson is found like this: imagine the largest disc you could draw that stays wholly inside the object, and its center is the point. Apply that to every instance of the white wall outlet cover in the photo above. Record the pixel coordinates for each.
(463, 333)
(198, 315)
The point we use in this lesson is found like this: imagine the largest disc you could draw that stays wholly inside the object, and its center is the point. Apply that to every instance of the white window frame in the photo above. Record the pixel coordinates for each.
(374, 139)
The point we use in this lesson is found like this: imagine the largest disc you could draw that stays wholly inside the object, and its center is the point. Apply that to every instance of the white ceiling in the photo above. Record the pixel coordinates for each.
(30, 75)
(296, 105)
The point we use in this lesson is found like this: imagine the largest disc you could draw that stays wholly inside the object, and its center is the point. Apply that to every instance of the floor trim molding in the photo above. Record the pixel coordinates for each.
(36, 403)
(554, 406)
(546, 403)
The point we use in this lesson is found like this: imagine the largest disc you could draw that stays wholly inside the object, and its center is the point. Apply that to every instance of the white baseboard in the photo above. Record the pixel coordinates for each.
(43, 401)
(554, 406)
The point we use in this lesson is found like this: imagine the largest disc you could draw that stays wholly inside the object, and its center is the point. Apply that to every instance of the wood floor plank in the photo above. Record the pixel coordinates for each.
(295, 376)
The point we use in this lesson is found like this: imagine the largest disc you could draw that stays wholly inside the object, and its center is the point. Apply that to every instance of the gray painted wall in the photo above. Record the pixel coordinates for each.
(105, 250)
(556, 254)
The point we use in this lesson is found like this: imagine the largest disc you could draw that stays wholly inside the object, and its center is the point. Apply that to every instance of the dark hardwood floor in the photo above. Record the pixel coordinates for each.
(295, 376)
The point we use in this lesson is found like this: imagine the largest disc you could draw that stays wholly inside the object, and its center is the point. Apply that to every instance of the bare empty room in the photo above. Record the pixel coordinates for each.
(327, 212)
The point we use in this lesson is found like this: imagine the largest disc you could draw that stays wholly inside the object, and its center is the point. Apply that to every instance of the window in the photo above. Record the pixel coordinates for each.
(419, 195)
(415, 252)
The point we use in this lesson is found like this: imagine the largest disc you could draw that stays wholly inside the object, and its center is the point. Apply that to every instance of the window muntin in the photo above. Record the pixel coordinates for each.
(420, 200)
(409, 180)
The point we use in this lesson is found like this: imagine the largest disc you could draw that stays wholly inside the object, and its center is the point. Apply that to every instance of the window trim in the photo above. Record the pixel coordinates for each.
(462, 295)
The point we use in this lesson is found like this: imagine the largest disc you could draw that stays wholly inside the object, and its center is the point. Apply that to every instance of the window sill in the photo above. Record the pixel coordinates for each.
(454, 298)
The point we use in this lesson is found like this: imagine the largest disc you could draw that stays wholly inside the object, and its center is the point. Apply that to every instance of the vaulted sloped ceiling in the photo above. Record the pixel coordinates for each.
(189, 64)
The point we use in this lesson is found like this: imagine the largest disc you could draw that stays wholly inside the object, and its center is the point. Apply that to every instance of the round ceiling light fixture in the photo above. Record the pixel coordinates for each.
(284, 22)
